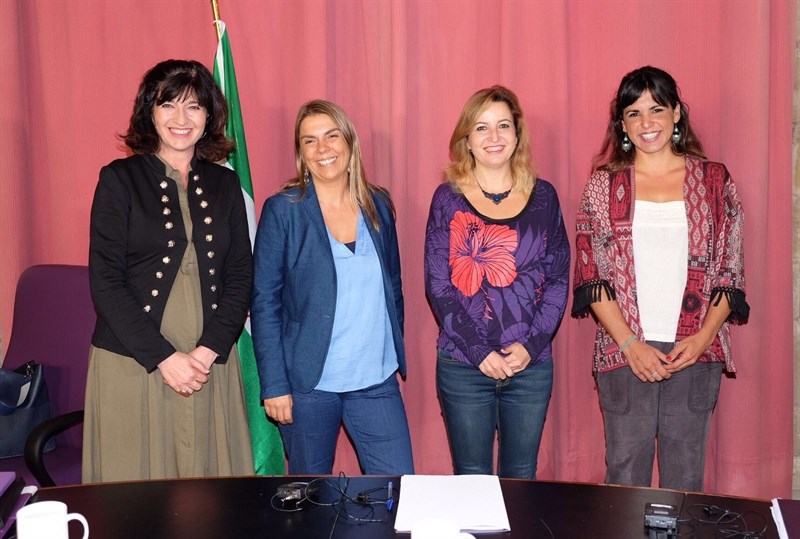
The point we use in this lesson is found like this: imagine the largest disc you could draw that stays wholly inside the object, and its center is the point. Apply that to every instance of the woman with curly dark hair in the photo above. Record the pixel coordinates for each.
(660, 264)
(170, 273)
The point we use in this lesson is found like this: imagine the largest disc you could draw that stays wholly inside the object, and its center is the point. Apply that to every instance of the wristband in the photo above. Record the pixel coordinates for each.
(627, 343)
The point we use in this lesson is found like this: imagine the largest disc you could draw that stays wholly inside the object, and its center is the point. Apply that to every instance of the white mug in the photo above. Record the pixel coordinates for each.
(435, 528)
(47, 520)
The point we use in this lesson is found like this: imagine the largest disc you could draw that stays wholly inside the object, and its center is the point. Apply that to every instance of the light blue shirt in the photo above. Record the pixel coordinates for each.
(361, 353)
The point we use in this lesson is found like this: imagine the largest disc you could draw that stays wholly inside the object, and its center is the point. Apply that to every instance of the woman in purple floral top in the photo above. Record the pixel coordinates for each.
(496, 273)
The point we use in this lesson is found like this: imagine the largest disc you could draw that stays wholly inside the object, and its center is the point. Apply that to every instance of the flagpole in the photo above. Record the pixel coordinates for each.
(215, 9)
(265, 439)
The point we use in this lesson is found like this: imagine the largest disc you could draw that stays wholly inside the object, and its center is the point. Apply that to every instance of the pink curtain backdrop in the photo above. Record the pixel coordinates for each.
(69, 70)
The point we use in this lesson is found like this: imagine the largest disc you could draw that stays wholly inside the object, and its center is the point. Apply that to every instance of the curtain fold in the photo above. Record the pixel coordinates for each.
(69, 72)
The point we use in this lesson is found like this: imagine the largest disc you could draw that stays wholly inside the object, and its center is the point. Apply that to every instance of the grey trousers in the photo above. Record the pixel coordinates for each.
(676, 412)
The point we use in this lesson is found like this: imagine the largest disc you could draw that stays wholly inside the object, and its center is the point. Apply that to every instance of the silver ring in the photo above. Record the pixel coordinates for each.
(653, 374)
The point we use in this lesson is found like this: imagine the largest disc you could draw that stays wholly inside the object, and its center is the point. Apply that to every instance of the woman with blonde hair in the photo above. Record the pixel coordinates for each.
(496, 274)
(327, 307)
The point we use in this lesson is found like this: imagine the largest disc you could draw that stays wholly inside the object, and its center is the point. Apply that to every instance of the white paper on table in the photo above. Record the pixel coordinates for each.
(474, 502)
(777, 516)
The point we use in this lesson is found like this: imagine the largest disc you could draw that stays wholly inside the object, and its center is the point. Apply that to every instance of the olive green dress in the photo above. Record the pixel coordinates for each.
(137, 427)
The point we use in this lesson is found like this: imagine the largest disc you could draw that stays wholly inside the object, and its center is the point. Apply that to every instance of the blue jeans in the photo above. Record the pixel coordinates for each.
(374, 417)
(474, 406)
(677, 412)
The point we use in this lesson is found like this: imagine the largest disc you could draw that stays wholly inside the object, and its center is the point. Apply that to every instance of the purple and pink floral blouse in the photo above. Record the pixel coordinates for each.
(493, 282)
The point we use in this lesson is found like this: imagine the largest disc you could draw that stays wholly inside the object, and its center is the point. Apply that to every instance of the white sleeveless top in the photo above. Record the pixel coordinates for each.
(660, 254)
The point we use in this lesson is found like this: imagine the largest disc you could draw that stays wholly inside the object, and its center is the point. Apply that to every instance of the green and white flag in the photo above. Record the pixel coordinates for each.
(266, 439)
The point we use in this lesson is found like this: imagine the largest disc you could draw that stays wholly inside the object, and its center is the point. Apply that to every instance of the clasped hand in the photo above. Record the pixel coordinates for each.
(646, 363)
(651, 365)
(186, 373)
(509, 361)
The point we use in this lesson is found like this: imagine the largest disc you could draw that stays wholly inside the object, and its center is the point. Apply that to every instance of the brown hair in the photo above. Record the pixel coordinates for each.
(176, 79)
(665, 92)
(460, 169)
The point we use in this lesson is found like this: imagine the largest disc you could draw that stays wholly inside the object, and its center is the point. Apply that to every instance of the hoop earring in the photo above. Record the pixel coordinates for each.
(676, 135)
(626, 144)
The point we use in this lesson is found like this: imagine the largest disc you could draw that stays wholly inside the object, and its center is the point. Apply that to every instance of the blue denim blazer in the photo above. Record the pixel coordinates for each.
(294, 290)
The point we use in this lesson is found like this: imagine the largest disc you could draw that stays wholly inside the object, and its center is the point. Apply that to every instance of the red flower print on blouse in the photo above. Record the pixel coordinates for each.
(478, 250)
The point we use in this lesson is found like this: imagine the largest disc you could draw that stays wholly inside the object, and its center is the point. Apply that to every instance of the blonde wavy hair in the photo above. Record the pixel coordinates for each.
(361, 190)
(460, 171)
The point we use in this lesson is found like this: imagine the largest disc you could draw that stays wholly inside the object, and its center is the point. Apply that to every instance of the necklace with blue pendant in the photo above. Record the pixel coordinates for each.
(497, 198)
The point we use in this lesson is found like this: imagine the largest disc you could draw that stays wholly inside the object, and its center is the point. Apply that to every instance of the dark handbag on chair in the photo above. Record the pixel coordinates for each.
(24, 403)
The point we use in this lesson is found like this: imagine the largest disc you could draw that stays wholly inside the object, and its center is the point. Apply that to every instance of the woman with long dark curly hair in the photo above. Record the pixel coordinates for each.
(660, 264)
(170, 271)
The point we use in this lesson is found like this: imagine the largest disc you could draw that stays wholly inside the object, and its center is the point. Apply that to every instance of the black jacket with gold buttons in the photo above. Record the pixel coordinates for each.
(137, 242)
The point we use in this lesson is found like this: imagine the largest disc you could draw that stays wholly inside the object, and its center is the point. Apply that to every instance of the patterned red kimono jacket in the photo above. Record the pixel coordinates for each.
(604, 256)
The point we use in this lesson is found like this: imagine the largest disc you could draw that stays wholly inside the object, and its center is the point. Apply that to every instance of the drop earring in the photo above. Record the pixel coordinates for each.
(676, 135)
(626, 143)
